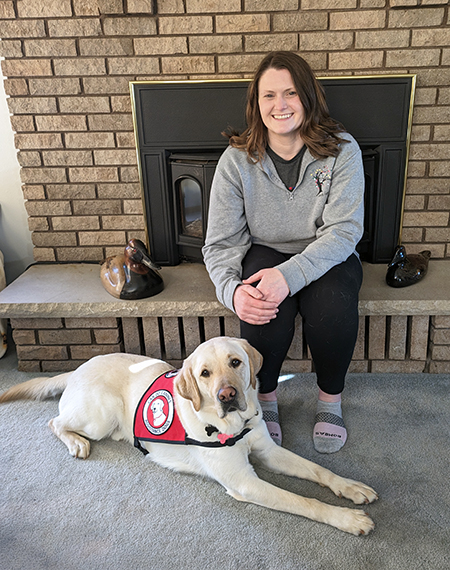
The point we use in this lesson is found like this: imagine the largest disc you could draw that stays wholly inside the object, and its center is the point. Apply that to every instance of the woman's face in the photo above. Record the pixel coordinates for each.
(281, 109)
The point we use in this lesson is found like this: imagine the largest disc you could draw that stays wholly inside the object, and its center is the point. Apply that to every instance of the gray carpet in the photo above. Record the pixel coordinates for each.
(118, 511)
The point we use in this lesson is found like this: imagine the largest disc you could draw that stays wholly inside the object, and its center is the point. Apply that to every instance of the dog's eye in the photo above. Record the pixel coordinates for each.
(235, 362)
(205, 373)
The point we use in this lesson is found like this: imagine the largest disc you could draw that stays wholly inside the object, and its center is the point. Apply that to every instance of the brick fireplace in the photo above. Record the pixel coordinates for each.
(68, 64)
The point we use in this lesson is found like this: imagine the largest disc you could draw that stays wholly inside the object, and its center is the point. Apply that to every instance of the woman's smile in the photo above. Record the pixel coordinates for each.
(282, 117)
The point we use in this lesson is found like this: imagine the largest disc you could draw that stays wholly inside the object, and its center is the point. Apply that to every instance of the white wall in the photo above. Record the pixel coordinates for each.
(15, 237)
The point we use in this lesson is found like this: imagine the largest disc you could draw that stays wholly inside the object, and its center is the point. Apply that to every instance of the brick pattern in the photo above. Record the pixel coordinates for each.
(403, 344)
(68, 64)
(59, 345)
(440, 344)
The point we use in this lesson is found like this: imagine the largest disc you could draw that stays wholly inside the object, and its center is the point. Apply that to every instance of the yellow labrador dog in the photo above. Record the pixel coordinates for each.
(211, 406)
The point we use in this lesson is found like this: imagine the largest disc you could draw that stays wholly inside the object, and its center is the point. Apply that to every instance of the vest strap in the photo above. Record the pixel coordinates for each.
(137, 445)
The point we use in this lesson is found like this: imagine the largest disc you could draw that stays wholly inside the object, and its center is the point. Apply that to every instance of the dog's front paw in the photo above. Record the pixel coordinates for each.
(355, 522)
(357, 492)
(80, 448)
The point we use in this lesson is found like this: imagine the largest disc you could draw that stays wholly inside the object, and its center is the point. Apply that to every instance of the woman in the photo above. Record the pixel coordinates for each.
(286, 213)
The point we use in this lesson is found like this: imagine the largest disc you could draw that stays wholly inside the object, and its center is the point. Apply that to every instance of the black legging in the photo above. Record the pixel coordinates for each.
(329, 308)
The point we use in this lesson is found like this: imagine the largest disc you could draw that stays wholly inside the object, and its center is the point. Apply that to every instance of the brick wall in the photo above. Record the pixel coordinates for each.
(406, 344)
(68, 63)
(54, 344)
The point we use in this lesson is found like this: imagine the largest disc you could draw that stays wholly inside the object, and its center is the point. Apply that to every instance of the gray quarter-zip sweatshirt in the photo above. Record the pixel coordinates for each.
(320, 220)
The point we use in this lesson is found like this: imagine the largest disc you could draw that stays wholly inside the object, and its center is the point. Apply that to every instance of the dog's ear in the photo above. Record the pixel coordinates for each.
(255, 359)
(187, 386)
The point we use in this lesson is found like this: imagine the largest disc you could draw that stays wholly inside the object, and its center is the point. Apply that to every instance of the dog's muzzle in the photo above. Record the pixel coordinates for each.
(230, 400)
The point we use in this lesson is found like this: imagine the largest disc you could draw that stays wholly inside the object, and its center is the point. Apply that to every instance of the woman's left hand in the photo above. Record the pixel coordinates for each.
(272, 284)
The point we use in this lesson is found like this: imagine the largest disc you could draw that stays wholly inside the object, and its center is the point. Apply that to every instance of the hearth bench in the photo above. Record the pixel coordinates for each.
(61, 316)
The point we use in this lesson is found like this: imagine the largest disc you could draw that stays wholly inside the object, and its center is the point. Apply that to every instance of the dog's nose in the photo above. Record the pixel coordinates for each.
(227, 394)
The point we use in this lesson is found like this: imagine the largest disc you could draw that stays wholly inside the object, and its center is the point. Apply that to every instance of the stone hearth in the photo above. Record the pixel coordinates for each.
(61, 316)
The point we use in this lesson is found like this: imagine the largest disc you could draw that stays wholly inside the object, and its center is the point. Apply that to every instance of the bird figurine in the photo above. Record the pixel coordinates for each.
(132, 275)
(405, 270)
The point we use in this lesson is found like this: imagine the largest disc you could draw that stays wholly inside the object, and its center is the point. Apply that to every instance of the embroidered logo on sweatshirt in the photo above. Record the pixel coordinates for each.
(319, 176)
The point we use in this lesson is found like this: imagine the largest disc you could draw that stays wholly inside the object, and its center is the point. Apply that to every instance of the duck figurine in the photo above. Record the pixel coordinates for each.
(132, 275)
(405, 270)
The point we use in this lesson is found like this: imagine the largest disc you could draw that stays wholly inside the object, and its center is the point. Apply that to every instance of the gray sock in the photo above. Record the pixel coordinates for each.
(329, 433)
(270, 416)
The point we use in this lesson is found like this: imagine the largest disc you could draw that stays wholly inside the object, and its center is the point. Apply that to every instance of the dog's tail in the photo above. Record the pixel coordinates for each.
(37, 388)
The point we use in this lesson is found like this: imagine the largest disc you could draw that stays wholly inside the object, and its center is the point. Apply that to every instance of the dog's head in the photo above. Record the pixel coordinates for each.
(219, 374)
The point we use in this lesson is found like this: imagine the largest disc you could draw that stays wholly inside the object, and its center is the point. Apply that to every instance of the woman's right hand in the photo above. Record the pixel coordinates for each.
(251, 307)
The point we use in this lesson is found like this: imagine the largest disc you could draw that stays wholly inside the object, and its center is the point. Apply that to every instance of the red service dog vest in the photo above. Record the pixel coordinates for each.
(156, 419)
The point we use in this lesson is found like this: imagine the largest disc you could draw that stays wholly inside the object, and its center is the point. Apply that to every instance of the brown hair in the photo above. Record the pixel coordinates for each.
(318, 131)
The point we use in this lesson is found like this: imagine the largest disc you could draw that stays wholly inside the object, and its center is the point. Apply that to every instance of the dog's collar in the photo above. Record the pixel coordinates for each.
(225, 439)
(146, 428)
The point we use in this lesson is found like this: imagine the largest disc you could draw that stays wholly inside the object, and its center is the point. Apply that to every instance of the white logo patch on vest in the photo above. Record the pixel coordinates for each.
(158, 412)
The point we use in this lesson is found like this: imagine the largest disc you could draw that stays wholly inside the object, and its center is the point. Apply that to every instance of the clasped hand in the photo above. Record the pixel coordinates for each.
(259, 305)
